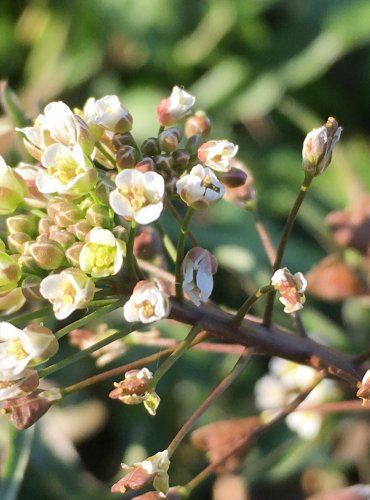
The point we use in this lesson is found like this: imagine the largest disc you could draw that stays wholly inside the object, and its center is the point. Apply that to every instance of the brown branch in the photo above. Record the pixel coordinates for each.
(272, 341)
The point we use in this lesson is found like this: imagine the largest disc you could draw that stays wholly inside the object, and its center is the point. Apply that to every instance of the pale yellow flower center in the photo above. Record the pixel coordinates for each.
(103, 257)
(16, 349)
(148, 309)
(136, 195)
(65, 168)
(5, 384)
(69, 295)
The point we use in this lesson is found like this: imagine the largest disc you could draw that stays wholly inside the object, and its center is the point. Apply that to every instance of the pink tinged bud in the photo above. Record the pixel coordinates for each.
(13, 189)
(163, 162)
(145, 165)
(175, 107)
(148, 243)
(200, 188)
(47, 255)
(147, 303)
(33, 198)
(291, 288)
(11, 302)
(217, 154)
(199, 123)
(138, 196)
(169, 139)
(198, 268)
(126, 157)
(318, 147)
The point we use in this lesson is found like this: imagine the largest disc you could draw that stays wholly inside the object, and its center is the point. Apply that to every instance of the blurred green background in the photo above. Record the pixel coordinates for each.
(267, 72)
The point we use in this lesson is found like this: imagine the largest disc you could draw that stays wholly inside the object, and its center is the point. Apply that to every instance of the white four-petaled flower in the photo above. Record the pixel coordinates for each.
(175, 107)
(102, 253)
(200, 188)
(217, 154)
(198, 268)
(291, 288)
(147, 303)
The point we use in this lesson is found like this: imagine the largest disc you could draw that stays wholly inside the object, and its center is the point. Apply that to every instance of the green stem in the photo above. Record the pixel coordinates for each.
(101, 311)
(131, 264)
(180, 252)
(215, 394)
(166, 241)
(245, 307)
(105, 153)
(26, 317)
(160, 130)
(284, 240)
(171, 207)
(180, 348)
(86, 352)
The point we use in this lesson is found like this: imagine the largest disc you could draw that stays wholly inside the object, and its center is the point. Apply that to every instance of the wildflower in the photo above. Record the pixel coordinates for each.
(174, 108)
(107, 113)
(318, 147)
(12, 188)
(200, 188)
(291, 288)
(67, 291)
(137, 389)
(217, 154)
(102, 253)
(21, 348)
(138, 196)
(139, 474)
(67, 171)
(147, 303)
(198, 267)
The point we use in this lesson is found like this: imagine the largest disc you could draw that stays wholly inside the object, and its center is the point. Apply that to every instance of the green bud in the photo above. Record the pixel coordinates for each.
(80, 229)
(22, 223)
(45, 224)
(47, 254)
(98, 216)
(63, 237)
(17, 242)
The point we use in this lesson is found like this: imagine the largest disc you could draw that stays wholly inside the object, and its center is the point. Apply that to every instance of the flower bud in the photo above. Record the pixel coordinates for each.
(28, 264)
(163, 162)
(180, 158)
(233, 178)
(98, 216)
(169, 139)
(145, 165)
(126, 157)
(193, 144)
(63, 237)
(198, 268)
(17, 242)
(22, 223)
(31, 287)
(45, 224)
(199, 123)
(175, 107)
(80, 229)
(64, 213)
(73, 253)
(119, 140)
(102, 191)
(84, 136)
(11, 302)
(150, 147)
(217, 154)
(10, 272)
(318, 147)
(13, 189)
(47, 254)
(243, 196)
(33, 198)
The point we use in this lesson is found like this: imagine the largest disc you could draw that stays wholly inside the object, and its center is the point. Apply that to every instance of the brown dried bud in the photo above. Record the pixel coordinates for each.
(26, 410)
(126, 157)
(169, 139)
(199, 124)
(150, 147)
(233, 178)
(48, 254)
(243, 196)
(145, 165)
(119, 140)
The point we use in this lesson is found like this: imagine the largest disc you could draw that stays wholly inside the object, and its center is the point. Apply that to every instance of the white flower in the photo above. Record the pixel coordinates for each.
(175, 107)
(12, 188)
(200, 188)
(14, 386)
(102, 253)
(107, 113)
(20, 348)
(291, 288)
(138, 195)
(318, 147)
(67, 291)
(147, 303)
(67, 171)
(217, 154)
(198, 267)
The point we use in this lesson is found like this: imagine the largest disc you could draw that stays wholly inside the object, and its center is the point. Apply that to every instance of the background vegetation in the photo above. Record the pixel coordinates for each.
(266, 71)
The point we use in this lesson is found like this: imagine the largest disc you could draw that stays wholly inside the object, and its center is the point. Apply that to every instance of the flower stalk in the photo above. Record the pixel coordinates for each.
(180, 253)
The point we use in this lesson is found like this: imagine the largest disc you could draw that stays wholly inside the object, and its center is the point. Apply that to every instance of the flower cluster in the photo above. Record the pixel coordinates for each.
(282, 384)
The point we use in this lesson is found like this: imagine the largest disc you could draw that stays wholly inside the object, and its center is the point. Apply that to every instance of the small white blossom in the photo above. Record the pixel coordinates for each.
(198, 268)
(21, 348)
(102, 253)
(107, 113)
(291, 288)
(67, 291)
(147, 303)
(67, 171)
(138, 196)
(217, 154)
(174, 108)
(200, 188)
